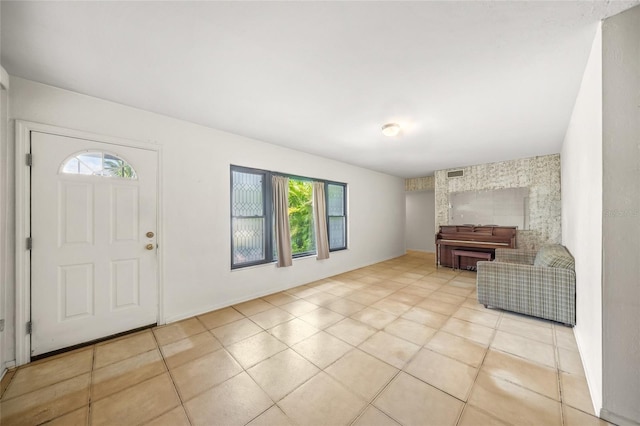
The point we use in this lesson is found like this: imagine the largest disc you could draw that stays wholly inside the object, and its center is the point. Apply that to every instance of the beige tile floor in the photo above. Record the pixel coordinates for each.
(396, 343)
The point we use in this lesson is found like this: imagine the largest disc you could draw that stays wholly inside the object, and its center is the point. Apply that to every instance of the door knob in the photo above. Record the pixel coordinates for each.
(150, 234)
(149, 246)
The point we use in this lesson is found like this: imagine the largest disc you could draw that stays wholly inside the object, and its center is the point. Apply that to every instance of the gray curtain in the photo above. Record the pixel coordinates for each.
(280, 185)
(320, 221)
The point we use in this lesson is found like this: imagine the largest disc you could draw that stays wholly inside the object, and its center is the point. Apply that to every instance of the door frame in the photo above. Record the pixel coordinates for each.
(23, 131)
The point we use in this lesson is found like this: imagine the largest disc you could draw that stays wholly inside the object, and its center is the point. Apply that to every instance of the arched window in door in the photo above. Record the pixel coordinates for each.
(98, 163)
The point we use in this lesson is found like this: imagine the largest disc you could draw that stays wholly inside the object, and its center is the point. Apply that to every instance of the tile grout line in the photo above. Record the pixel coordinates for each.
(323, 371)
(41, 362)
(90, 372)
(480, 365)
(370, 403)
(559, 375)
(222, 347)
(90, 403)
(245, 370)
(402, 370)
(173, 383)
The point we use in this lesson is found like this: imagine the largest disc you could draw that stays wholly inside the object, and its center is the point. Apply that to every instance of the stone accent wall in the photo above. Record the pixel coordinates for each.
(420, 184)
(540, 174)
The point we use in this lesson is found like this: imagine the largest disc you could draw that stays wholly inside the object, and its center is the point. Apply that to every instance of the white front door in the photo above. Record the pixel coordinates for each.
(93, 229)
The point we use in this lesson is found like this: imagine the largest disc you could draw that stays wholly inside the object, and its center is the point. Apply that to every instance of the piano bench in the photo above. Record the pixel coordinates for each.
(466, 253)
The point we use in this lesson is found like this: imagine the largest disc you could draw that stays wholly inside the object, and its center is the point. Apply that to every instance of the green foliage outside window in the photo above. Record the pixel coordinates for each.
(115, 166)
(301, 216)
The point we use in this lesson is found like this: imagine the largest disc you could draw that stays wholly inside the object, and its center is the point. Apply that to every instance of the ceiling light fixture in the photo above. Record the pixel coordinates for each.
(391, 129)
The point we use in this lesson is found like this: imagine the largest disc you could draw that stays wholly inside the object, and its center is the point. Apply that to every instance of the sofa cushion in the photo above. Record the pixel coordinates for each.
(554, 256)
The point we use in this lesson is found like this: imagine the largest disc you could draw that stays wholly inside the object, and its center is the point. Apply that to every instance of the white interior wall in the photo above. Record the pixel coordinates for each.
(582, 215)
(420, 226)
(195, 206)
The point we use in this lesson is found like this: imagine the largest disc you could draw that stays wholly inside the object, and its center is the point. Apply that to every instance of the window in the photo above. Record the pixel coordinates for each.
(301, 217)
(336, 213)
(252, 216)
(96, 163)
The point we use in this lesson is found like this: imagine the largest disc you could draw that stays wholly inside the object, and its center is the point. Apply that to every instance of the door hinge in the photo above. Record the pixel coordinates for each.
(29, 327)
(29, 243)
(29, 160)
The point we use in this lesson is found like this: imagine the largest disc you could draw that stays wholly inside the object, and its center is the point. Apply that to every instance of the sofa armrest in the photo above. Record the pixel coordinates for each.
(515, 256)
(539, 291)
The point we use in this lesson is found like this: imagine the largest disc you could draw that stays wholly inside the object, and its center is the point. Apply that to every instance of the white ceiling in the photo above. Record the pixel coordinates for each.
(471, 82)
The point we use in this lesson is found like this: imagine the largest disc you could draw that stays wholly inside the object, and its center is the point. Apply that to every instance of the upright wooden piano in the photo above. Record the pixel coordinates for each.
(473, 238)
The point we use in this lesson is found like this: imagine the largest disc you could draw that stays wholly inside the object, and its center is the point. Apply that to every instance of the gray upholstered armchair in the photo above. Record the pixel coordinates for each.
(540, 284)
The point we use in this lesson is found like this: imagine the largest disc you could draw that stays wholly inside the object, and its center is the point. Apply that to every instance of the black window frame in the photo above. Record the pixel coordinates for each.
(268, 236)
(344, 211)
(267, 202)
